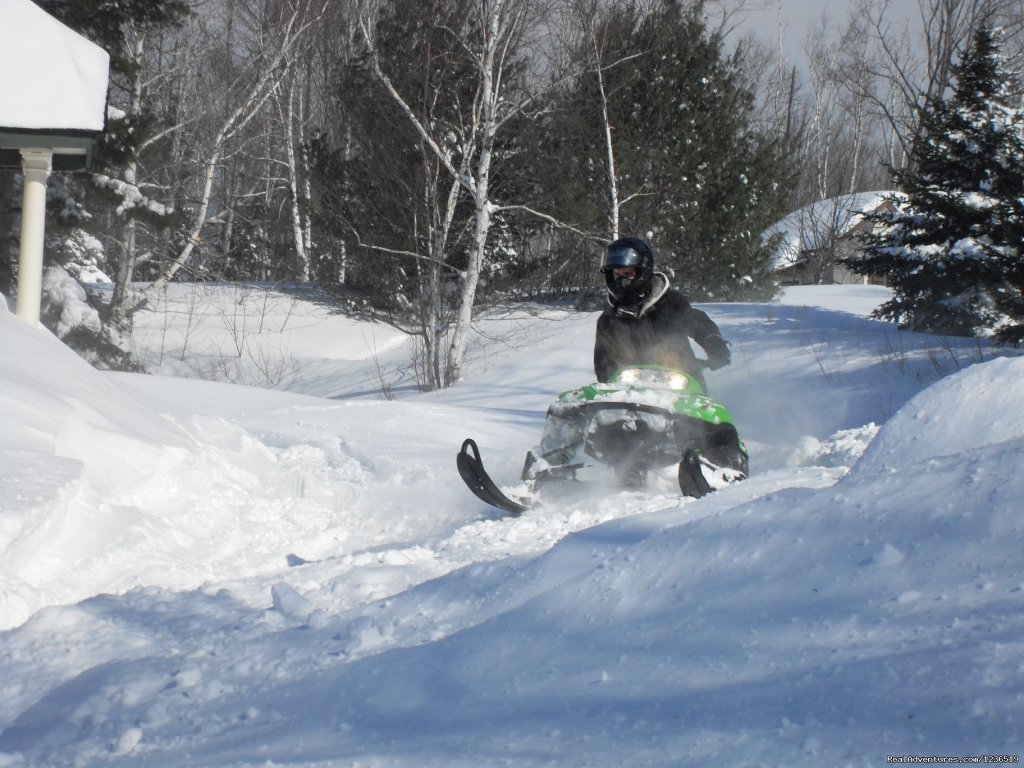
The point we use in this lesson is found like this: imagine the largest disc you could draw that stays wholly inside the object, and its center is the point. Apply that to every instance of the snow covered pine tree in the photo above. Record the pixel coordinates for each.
(952, 251)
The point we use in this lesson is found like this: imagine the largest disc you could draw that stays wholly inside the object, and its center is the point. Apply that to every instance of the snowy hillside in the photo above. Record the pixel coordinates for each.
(214, 574)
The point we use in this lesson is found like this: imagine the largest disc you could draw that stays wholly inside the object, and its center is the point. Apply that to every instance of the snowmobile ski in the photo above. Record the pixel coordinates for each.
(472, 471)
(691, 477)
(694, 473)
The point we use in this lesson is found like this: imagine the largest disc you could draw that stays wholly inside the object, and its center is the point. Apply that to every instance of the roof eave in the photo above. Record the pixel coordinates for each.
(72, 148)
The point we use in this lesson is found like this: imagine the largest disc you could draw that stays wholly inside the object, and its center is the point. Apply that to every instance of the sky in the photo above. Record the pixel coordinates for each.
(198, 572)
(789, 21)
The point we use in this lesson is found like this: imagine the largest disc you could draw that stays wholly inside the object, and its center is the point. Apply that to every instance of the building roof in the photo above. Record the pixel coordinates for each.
(54, 80)
(816, 225)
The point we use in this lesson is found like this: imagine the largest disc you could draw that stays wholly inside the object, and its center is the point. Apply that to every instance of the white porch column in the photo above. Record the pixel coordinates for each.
(36, 164)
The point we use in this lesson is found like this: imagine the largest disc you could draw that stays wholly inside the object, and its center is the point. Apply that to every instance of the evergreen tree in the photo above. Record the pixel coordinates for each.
(952, 252)
(716, 181)
(564, 161)
(111, 206)
(103, 22)
(691, 165)
(378, 191)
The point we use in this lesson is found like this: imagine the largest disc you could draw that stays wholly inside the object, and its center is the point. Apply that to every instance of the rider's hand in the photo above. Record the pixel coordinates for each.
(719, 361)
(718, 352)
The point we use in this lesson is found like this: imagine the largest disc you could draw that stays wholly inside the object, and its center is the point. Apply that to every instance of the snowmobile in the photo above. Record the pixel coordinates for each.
(646, 418)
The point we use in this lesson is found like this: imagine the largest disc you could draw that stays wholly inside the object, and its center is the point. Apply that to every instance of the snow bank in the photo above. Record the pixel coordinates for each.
(117, 487)
(51, 398)
(975, 408)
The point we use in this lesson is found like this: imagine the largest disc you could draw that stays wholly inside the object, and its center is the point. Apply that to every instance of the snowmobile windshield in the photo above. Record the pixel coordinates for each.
(621, 256)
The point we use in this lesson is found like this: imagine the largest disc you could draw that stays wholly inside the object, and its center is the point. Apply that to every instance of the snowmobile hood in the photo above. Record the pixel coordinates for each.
(650, 388)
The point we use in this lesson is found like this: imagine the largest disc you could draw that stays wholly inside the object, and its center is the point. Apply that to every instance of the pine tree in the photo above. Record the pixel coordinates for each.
(952, 251)
(709, 180)
(377, 188)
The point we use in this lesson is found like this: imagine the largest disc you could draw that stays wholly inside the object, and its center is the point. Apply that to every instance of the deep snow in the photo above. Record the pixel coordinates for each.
(209, 574)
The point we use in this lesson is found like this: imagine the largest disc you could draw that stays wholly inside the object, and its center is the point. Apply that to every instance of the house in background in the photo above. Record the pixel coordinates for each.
(816, 237)
(53, 103)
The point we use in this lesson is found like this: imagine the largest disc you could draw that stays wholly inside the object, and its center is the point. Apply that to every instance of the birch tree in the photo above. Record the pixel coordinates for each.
(842, 148)
(382, 193)
(706, 176)
(262, 78)
(603, 57)
(292, 104)
(491, 39)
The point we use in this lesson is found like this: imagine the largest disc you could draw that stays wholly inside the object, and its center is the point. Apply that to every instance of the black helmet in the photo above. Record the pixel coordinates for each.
(628, 252)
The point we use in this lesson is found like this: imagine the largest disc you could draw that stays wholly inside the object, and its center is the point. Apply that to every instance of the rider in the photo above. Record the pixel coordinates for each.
(647, 322)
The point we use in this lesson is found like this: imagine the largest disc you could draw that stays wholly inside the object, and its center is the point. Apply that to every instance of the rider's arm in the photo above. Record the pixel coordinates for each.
(604, 363)
(706, 333)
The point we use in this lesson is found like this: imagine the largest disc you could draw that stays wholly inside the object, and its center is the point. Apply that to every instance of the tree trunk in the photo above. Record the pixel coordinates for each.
(480, 190)
(120, 299)
(298, 228)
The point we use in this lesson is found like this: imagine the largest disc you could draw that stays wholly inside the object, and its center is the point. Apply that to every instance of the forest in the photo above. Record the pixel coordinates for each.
(418, 160)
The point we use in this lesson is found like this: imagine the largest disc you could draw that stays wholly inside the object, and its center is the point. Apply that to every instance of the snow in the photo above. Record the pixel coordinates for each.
(61, 290)
(214, 574)
(62, 77)
(130, 195)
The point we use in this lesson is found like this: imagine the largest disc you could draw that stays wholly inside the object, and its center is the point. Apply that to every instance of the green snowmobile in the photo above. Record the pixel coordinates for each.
(645, 418)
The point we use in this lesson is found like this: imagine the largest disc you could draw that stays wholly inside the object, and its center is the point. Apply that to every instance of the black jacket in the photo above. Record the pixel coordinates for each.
(657, 334)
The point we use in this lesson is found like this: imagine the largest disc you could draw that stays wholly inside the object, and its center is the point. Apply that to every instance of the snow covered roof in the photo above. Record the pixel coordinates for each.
(814, 226)
(54, 78)
(54, 89)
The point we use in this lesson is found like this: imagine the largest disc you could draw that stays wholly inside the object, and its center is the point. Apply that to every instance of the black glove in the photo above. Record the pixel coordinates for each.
(718, 352)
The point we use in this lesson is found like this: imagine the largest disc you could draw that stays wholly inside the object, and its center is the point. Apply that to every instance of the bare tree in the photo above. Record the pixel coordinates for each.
(493, 39)
(292, 102)
(903, 64)
(262, 78)
(592, 18)
(840, 123)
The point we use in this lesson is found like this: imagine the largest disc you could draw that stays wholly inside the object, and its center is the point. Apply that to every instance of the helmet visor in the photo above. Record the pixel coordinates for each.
(620, 256)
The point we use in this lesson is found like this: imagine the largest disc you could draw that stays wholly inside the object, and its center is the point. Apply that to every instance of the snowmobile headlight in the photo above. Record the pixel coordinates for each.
(677, 381)
(629, 376)
(653, 377)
